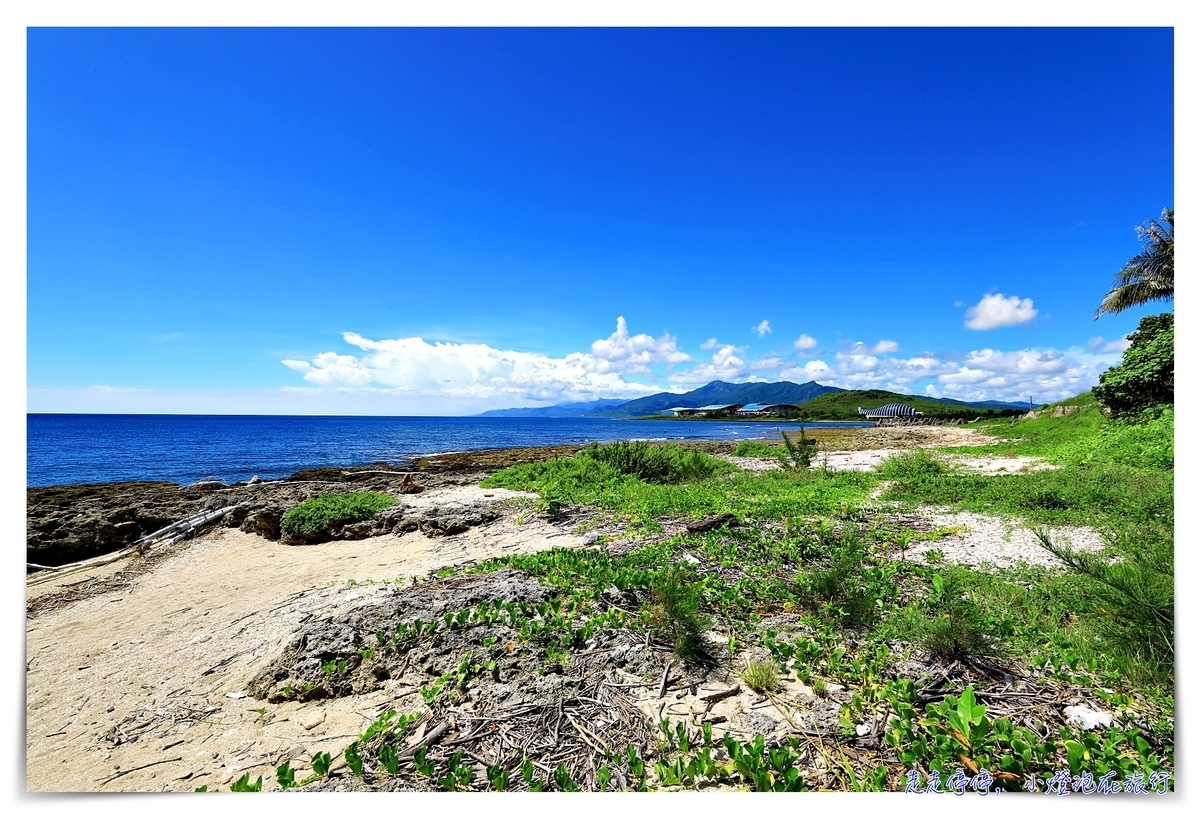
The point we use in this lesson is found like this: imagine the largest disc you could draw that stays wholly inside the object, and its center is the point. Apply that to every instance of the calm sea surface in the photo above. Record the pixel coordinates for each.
(64, 449)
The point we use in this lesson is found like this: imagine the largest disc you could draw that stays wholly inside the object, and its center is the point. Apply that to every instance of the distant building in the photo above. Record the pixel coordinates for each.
(713, 411)
(892, 410)
(768, 410)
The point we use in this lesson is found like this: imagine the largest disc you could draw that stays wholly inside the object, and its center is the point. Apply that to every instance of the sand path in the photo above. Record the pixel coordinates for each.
(155, 672)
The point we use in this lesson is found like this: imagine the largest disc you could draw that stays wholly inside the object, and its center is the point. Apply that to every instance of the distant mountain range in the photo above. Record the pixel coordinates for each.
(827, 402)
(559, 410)
(714, 393)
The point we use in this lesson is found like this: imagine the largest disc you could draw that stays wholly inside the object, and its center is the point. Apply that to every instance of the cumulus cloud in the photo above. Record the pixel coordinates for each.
(998, 310)
(726, 365)
(414, 366)
(805, 342)
(711, 343)
(1100, 346)
(621, 352)
(762, 328)
(885, 346)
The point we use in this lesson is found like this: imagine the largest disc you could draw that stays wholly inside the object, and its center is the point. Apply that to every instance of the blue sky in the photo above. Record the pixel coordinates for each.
(428, 221)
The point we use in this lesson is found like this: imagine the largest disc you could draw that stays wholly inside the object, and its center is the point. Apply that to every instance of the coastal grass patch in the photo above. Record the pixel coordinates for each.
(757, 448)
(1103, 495)
(715, 487)
(319, 514)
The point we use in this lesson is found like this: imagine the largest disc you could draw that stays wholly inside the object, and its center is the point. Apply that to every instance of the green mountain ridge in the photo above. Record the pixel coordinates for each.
(717, 392)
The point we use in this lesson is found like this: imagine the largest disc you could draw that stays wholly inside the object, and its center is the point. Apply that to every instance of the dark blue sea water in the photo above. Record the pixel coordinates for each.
(64, 449)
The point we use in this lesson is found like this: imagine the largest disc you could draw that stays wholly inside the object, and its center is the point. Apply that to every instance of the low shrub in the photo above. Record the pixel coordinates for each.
(916, 463)
(318, 515)
(797, 452)
(654, 463)
(673, 612)
(756, 448)
(950, 624)
(1134, 594)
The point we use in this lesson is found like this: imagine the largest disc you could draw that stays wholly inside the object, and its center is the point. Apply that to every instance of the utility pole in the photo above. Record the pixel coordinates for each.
(1031, 403)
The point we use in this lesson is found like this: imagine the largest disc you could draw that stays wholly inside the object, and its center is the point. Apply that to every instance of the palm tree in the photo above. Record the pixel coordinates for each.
(1150, 275)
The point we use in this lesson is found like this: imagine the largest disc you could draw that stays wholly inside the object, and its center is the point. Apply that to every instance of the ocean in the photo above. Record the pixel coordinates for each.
(66, 449)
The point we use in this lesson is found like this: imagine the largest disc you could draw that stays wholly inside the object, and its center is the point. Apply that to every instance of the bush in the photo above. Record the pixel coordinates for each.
(756, 448)
(316, 516)
(845, 586)
(950, 625)
(916, 463)
(662, 463)
(1146, 375)
(797, 454)
(673, 612)
(1133, 595)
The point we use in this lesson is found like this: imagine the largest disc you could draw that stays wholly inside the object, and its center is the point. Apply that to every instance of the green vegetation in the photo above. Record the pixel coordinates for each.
(318, 515)
(1145, 377)
(583, 479)
(761, 676)
(815, 545)
(797, 452)
(845, 405)
(1150, 275)
(673, 612)
(756, 448)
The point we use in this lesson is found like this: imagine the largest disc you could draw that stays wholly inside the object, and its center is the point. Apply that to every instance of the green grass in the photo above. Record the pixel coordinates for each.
(807, 546)
(757, 448)
(319, 514)
(587, 480)
(1112, 474)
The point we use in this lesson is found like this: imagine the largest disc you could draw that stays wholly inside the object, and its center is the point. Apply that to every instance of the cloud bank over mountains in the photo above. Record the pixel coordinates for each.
(630, 366)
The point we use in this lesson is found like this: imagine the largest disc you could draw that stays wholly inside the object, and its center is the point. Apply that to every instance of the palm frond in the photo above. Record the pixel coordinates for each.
(1150, 275)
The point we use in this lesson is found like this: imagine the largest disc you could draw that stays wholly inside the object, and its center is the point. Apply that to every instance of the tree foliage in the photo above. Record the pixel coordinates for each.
(1150, 275)
(1146, 375)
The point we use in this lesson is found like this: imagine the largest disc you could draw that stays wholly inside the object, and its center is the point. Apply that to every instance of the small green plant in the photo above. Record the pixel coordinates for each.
(798, 452)
(761, 675)
(285, 775)
(673, 612)
(934, 556)
(950, 624)
(389, 759)
(912, 464)
(315, 517)
(321, 763)
(244, 784)
(354, 759)
(497, 777)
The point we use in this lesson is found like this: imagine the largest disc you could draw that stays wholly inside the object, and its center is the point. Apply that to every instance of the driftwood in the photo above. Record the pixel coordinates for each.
(182, 530)
(711, 523)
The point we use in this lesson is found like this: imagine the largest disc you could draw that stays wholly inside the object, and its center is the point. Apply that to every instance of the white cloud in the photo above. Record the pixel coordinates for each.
(885, 346)
(711, 343)
(811, 371)
(998, 310)
(726, 365)
(763, 328)
(331, 369)
(621, 352)
(805, 342)
(1099, 346)
(412, 366)
(983, 374)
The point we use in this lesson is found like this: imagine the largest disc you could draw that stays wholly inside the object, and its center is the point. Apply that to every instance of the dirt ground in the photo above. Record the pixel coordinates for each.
(155, 672)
